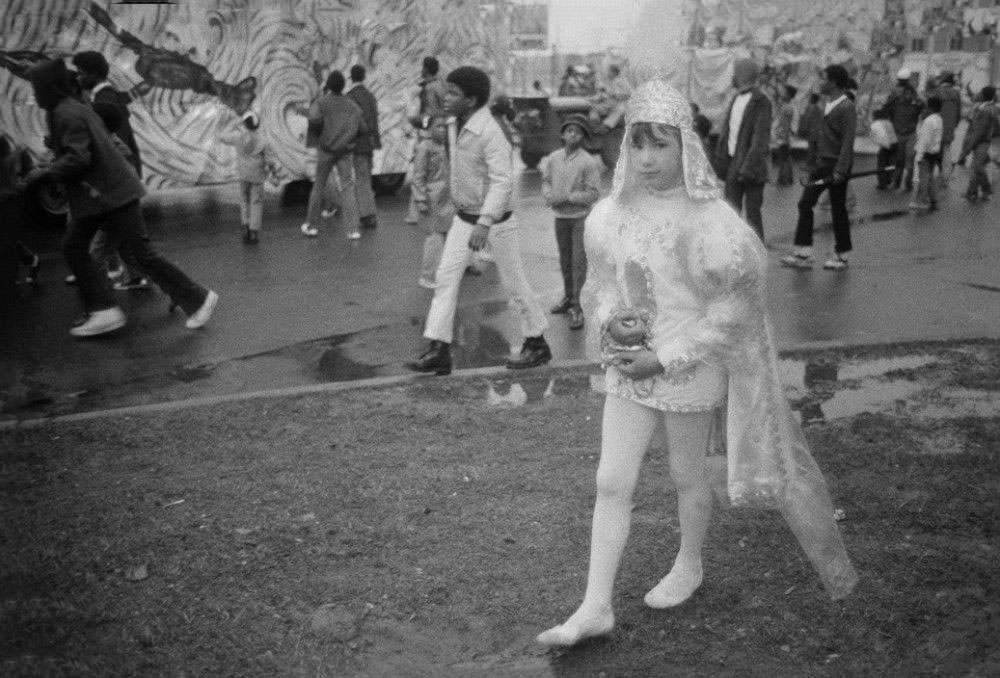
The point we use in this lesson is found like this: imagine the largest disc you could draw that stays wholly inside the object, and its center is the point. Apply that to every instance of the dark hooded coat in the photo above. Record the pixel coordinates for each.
(97, 177)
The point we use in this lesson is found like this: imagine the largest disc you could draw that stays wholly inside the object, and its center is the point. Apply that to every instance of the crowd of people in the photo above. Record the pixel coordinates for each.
(463, 175)
(915, 137)
(666, 272)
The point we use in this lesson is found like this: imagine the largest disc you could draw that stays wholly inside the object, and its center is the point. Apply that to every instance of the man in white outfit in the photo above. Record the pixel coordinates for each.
(481, 188)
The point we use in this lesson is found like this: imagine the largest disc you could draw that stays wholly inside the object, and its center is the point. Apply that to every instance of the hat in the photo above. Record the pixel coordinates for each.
(904, 74)
(746, 70)
(578, 120)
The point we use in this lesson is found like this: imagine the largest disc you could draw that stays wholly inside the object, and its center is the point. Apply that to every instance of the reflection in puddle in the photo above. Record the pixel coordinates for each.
(871, 368)
(963, 402)
(823, 390)
(871, 396)
(515, 396)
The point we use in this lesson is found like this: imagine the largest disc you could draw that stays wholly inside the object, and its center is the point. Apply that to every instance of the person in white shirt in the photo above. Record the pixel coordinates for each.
(928, 155)
(884, 136)
(481, 190)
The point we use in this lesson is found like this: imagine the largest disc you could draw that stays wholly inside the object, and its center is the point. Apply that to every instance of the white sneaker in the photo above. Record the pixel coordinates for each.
(100, 322)
(308, 230)
(354, 235)
(329, 214)
(427, 284)
(796, 260)
(835, 263)
(116, 273)
(202, 315)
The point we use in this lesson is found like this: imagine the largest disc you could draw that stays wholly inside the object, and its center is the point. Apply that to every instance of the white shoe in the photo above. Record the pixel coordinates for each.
(202, 315)
(796, 260)
(308, 230)
(427, 284)
(835, 263)
(354, 235)
(100, 322)
(329, 214)
(570, 633)
(673, 589)
(116, 273)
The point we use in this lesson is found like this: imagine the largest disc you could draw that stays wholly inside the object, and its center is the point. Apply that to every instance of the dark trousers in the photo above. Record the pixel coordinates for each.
(126, 224)
(885, 157)
(979, 180)
(838, 210)
(905, 155)
(747, 198)
(572, 256)
(783, 161)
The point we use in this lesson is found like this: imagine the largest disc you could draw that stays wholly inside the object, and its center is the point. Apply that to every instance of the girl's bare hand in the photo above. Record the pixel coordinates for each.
(637, 364)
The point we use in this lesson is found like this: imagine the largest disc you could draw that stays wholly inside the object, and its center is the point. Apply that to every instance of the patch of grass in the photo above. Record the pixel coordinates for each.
(442, 533)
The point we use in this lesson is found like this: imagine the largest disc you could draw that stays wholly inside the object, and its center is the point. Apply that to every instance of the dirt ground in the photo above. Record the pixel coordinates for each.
(432, 529)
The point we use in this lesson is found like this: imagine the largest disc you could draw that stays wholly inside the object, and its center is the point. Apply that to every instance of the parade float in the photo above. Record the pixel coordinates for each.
(191, 67)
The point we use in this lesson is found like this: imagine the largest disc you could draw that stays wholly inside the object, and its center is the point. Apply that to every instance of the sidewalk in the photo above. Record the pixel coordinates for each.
(431, 528)
(298, 312)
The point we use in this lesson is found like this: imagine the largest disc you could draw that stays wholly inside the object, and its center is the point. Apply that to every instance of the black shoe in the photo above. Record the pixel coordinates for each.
(436, 359)
(576, 318)
(562, 307)
(253, 238)
(371, 221)
(534, 353)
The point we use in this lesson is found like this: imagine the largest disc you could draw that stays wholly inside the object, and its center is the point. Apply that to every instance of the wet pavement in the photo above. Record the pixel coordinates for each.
(299, 311)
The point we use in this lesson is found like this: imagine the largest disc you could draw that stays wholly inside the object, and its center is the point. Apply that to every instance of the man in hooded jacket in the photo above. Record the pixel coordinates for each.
(103, 192)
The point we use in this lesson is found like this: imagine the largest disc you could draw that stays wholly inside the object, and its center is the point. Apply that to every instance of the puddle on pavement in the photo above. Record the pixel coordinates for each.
(482, 339)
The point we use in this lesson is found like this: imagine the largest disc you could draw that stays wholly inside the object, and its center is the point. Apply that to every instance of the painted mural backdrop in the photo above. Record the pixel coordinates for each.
(193, 67)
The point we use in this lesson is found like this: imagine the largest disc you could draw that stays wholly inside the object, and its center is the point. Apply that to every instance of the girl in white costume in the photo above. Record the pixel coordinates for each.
(666, 245)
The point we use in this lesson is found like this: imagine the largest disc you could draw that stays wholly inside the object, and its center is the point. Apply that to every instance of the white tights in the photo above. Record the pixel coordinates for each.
(625, 435)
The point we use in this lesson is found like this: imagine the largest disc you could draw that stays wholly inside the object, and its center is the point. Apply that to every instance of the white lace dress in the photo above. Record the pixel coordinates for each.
(699, 271)
(675, 258)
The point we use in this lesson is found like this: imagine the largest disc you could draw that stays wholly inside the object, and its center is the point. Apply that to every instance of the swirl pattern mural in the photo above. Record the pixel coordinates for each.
(193, 67)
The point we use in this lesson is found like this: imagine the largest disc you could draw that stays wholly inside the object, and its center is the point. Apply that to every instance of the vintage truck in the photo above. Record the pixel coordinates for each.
(539, 118)
(191, 67)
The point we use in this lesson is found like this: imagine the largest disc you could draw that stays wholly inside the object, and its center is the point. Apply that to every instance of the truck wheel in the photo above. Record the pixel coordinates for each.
(296, 192)
(530, 159)
(387, 184)
(47, 206)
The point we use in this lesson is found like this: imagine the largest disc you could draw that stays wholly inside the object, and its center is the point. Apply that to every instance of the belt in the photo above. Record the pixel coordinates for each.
(473, 218)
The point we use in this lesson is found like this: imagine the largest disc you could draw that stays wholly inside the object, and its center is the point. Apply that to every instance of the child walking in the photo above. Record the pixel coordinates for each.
(884, 137)
(431, 196)
(571, 184)
(676, 296)
(927, 152)
(251, 167)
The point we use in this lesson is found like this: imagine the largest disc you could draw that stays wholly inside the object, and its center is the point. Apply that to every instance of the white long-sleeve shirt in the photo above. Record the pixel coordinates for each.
(481, 171)
(929, 136)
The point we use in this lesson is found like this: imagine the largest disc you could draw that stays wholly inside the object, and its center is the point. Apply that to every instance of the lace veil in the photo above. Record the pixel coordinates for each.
(768, 458)
(656, 101)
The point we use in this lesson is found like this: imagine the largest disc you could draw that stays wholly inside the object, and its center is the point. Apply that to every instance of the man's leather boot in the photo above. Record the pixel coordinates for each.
(436, 359)
(534, 352)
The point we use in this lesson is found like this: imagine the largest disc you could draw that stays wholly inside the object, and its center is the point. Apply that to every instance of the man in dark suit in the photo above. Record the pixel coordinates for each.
(744, 144)
(834, 157)
(365, 146)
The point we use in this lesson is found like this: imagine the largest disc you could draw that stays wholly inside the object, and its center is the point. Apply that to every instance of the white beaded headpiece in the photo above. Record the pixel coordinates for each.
(656, 101)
